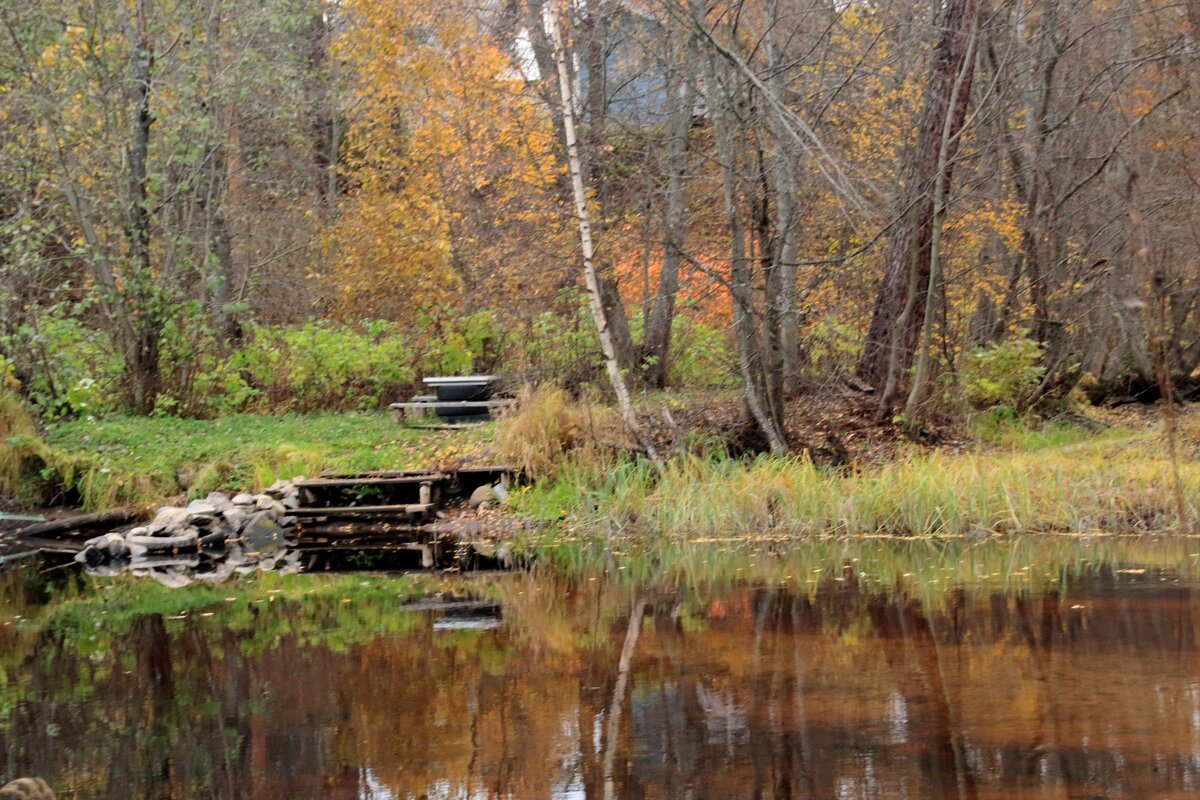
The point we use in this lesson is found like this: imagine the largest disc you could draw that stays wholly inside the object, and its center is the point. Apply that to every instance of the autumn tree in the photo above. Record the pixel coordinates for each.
(450, 167)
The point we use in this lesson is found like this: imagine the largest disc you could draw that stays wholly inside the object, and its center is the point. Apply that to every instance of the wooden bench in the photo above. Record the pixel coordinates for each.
(420, 407)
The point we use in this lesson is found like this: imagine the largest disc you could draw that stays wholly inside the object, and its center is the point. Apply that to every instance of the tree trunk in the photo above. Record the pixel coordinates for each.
(220, 273)
(593, 25)
(656, 342)
(595, 302)
(142, 353)
(888, 350)
(783, 178)
(940, 196)
(745, 330)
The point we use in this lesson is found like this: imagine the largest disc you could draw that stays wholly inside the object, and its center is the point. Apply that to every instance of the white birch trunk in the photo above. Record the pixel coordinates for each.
(566, 89)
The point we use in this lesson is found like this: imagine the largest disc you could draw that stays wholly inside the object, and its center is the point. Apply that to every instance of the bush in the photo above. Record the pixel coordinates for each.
(700, 356)
(68, 368)
(319, 366)
(1002, 374)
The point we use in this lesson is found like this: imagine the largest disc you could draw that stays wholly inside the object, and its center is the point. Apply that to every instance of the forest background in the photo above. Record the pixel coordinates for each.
(210, 207)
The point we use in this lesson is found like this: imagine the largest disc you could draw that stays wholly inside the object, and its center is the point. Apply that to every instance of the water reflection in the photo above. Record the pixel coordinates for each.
(589, 689)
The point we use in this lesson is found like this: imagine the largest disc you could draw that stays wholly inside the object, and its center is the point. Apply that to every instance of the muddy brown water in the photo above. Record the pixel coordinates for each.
(594, 689)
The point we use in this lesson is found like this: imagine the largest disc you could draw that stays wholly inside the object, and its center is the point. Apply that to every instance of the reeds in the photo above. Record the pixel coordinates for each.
(1114, 483)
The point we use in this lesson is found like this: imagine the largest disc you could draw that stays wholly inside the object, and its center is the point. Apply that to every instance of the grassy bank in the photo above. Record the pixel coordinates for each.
(1009, 477)
(138, 460)
(1060, 479)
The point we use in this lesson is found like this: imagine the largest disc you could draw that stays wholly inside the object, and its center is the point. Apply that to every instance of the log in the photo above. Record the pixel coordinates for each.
(78, 525)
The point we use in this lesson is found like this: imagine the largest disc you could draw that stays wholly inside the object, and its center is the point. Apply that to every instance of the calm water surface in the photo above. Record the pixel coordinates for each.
(830, 686)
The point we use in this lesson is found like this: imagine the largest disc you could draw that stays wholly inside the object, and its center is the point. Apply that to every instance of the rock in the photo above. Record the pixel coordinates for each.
(26, 789)
(219, 500)
(103, 550)
(234, 516)
(186, 539)
(139, 531)
(205, 522)
(481, 495)
(260, 531)
(172, 580)
(243, 499)
(201, 508)
(168, 518)
(212, 540)
(263, 501)
(156, 561)
(500, 492)
(291, 500)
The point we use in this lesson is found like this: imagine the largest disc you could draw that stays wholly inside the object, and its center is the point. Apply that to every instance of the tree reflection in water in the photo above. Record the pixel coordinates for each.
(843, 690)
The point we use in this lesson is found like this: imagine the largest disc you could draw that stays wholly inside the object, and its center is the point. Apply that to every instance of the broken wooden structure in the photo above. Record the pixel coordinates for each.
(348, 516)
(389, 511)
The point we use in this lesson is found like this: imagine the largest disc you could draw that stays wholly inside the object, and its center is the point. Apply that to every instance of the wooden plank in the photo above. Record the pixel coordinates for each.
(6, 517)
(486, 469)
(435, 405)
(49, 545)
(363, 511)
(446, 426)
(382, 473)
(398, 480)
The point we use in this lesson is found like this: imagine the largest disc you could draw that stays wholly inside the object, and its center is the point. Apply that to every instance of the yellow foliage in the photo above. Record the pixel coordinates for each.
(445, 153)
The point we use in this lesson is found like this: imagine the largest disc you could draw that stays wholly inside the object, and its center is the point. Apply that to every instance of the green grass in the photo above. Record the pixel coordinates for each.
(139, 460)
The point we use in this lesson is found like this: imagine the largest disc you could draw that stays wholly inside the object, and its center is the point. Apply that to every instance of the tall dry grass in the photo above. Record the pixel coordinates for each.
(551, 430)
(1119, 483)
(18, 440)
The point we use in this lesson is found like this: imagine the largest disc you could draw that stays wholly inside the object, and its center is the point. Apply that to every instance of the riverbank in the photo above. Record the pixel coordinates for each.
(1089, 471)
(1081, 473)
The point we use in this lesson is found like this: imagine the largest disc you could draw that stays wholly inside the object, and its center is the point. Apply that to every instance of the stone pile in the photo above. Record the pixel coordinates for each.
(209, 539)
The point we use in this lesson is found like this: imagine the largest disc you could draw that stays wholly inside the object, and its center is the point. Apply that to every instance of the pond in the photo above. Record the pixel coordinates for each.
(883, 670)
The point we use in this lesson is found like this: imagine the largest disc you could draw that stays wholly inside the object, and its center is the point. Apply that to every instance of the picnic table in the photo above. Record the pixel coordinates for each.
(457, 399)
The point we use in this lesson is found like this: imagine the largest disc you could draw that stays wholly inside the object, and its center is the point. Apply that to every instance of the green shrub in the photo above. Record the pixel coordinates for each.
(69, 369)
(561, 346)
(1002, 374)
(700, 356)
